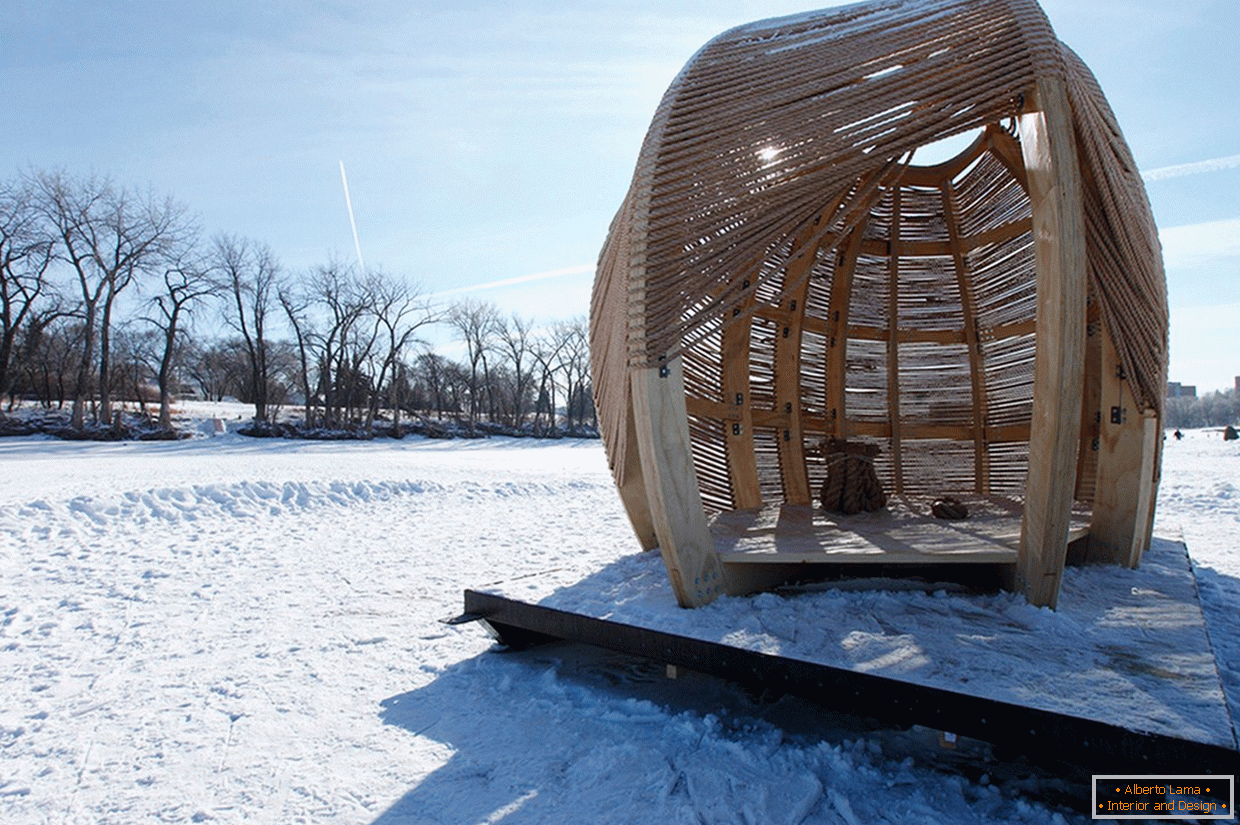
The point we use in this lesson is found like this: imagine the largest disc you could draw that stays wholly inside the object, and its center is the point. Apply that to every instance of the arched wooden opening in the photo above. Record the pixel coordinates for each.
(965, 317)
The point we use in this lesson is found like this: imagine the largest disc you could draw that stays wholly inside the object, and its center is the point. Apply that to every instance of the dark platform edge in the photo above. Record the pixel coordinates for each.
(1042, 736)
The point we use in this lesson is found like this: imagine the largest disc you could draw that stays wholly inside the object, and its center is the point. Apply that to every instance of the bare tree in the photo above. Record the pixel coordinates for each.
(475, 325)
(326, 312)
(48, 348)
(249, 274)
(342, 346)
(547, 351)
(25, 254)
(218, 368)
(575, 369)
(400, 311)
(431, 371)
(107, 236)
(516, 342)
(186, 280)
(294, 303)
(135, 362)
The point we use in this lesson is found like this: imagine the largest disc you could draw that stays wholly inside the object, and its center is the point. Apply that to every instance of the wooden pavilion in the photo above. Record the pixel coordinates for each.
(782, 281)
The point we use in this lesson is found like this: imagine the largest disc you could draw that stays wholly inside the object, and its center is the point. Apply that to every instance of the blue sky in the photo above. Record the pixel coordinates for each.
(491, 143)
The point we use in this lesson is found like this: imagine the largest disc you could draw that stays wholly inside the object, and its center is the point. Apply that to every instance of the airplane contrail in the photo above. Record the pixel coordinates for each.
(1201, 166)
(520, 279)
(352, 223)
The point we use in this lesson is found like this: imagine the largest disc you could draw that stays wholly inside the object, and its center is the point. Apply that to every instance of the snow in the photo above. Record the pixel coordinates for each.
(236, 630)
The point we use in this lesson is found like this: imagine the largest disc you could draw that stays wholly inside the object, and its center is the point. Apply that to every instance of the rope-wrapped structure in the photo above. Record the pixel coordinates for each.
(782, 272)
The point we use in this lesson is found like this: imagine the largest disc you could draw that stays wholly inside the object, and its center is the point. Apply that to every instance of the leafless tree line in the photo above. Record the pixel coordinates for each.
(1214, 409)
(108, 295)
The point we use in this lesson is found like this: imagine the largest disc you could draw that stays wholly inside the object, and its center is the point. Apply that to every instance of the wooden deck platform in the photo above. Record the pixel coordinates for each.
(903, 533)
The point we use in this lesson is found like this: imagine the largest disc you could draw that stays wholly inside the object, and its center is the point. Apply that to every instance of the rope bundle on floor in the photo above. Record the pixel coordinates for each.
(851, 485)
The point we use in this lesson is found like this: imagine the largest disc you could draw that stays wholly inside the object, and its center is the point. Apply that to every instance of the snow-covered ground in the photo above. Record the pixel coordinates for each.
(236, 630)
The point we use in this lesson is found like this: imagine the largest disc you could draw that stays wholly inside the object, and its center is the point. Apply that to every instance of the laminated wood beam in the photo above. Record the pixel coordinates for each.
(675, 500)
(1127, 457)
(1048, 147)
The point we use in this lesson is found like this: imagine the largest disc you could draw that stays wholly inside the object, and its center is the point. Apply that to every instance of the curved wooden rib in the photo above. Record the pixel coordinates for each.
(791, 439)
(837, 331)
(738, 426)
(977, 375)
(931, 177)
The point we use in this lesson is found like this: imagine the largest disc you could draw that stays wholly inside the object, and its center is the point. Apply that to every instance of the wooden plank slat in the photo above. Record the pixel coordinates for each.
(1048, 147)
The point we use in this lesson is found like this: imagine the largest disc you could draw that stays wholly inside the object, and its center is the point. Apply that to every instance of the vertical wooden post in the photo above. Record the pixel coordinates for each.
(1049, 150)
(1127, 457)
(685, 539)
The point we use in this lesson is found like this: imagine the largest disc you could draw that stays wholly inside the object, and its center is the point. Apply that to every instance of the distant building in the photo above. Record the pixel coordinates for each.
(1177, 390)
(1238, 384)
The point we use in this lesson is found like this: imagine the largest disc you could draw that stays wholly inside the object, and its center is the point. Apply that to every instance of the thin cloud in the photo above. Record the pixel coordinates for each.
(520, 279)
(1200, 167)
